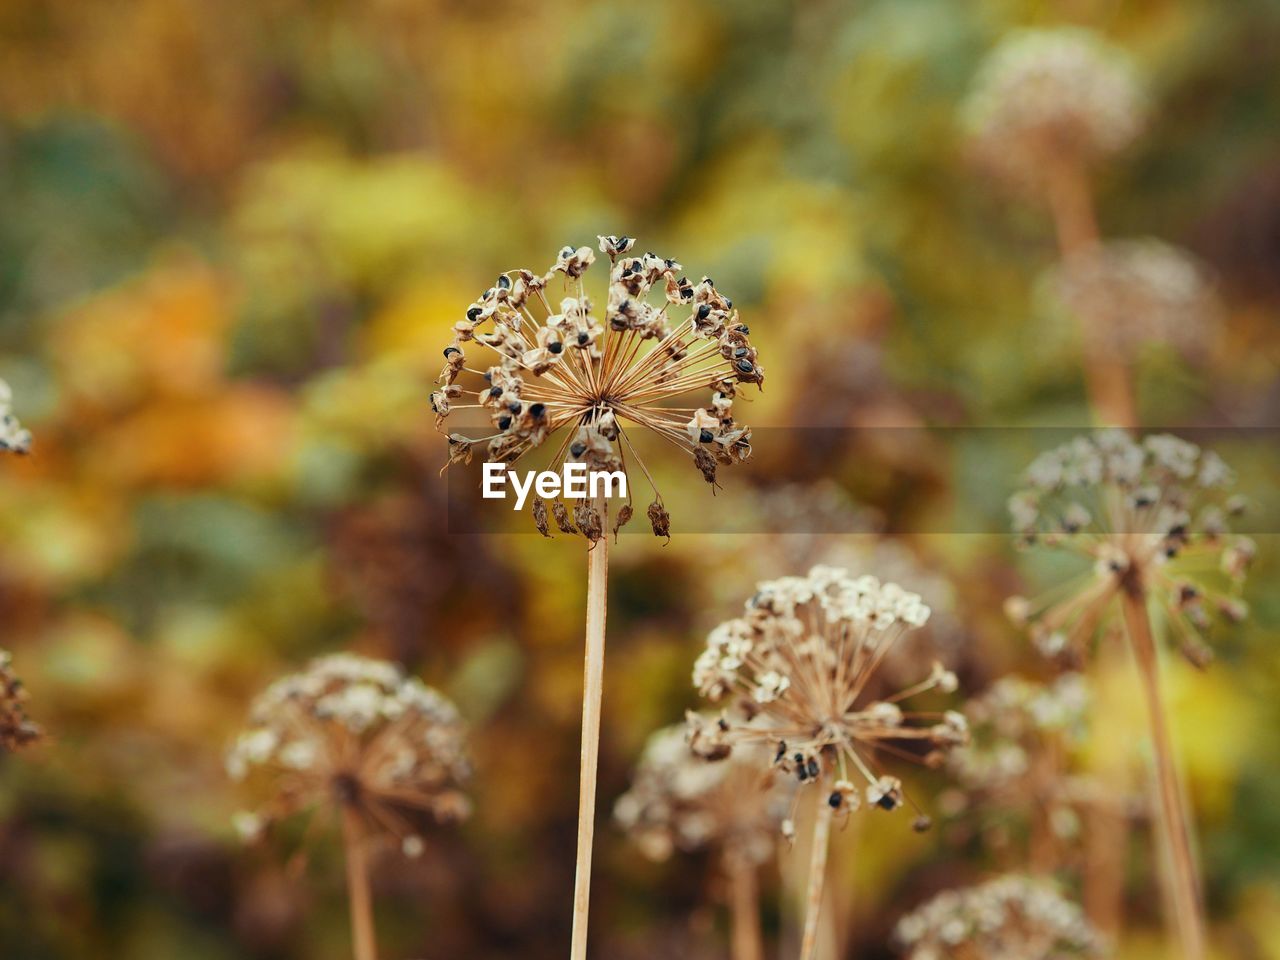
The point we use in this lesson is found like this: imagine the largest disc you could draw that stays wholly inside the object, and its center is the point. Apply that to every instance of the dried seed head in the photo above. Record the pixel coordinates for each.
(354, 732)
(541, 366)
(16, 728)
(679, 801)
(795, 670)
(1151, 516)
(1136, 292)
(1010, 916)
(1045, 97)
(13, 436)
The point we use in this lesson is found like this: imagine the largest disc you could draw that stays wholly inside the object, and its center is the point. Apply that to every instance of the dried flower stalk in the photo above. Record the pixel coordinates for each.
(1152, 518)
(794, 672)
(547, 370)
(355, 737)
(17, 730)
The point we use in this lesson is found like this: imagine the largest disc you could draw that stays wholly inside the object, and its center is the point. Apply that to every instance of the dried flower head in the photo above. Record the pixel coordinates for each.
(796, 669)
(13, 436)
(1136, 292)
(1009, 724)
(544, 363)
(1012, 917)
(351, 732)
(680, 801)
(1049, 96)
(1152, 518)
(16, 728)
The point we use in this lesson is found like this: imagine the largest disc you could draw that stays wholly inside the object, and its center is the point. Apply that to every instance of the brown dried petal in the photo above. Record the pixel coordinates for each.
(540, 516)
(706, 463)
(660, 520)
(562, 517)
(589, 520)
(625, 514)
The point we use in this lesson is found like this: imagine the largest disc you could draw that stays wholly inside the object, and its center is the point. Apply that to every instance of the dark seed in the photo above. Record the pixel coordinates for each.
(704, 311)
(741, 352)
(578, 448)
(833, 801)
(536, 410)
(745, 366)
(515, 407)
(473, 313)
(583, 338)
(449, 350)
(886, 802)
(556, 347)
(495, 391)
(706, 436)
(813, 767)
(504, 422)
(504, 282)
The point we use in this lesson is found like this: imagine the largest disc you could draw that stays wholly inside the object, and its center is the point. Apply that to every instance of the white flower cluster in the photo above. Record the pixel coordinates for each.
(679, 801)
(1006, 722)
(1012, 917)
(1045, 94)
(1135, 292)
(13, 436)
(354, 730)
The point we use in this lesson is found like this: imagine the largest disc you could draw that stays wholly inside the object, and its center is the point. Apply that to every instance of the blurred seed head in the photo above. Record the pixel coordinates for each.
(544, 364)
(1136, 292)
(1011, 916)
(13, 436)
(1150, 516)
(1057, 95)
(16, 729)
(680, 801)
(795, 672)
(353, 732)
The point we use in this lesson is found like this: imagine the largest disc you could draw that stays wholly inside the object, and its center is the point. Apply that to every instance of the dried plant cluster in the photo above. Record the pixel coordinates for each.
(13, 436)
(1138, 292)
(679, 801)
(350, 733)
(546, 364)
(17, 730)
(1009, 918)
(1045, 97)
(1010, 722)
(794, 672)
(1152, 517)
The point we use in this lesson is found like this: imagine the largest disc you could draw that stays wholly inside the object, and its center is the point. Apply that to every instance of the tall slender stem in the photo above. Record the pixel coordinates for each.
(1175, 820)
(1108, 378)
(744, 908)
(358, 893)
(817, 872)
(592, 694)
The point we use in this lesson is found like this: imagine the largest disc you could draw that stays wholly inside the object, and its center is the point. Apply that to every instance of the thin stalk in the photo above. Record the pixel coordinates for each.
(1174, 820)
(817, 873)
(1107, 831)
(358, 893)
(744, 909)
(592, 694)
(1108, 378)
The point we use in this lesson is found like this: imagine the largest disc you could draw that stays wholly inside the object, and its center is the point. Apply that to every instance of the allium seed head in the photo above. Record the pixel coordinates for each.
(544, 363)
(353, 732)
(679, 801)
(795, 673)
(13, 436)
(1136, 292)
(1151, 517)
(16, 728)
(1044, 96)
(1010, 917)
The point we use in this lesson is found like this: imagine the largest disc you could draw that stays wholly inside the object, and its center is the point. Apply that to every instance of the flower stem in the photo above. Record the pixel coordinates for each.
(817, 873)
(592, 693)
(1108, 378)
(1174, 821)
(744, 906)
(361, 900)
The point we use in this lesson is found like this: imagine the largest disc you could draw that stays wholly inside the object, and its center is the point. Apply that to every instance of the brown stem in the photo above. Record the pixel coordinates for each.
(358, 893)
(592, 695)
(1174, 821)
(1108, 379)
(817, 873)
(1107, 831)
(744, 908)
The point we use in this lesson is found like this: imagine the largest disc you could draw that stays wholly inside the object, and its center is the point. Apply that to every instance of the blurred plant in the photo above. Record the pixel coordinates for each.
(797, 666)
(1009, 918)
(357, 736)
(1151, 516)
(593, 377)
(1016, 763)
(679, 801)
(17, 730)
(1139, 292)
(13, 436)
(1045, 108)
